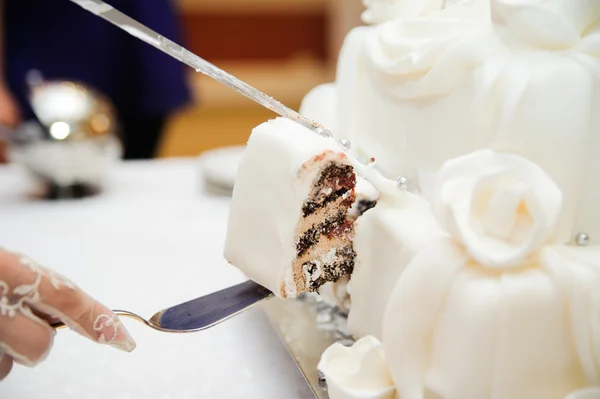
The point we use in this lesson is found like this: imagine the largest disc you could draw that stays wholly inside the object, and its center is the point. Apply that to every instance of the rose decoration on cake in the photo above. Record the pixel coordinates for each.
(357, 372)
(500, 206)
(415, 57)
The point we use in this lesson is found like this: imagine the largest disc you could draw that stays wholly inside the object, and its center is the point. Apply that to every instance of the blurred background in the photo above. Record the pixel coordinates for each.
(282, 47)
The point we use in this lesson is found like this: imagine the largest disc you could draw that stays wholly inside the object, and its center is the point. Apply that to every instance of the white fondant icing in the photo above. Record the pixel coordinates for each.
(386, 239)
(502, 308)
(320, 105)
(401, 84)
(273, 182)
(463, 329)
(365, 190)
(455, 79)
(459, 331)
(336, 294)
(357, 372)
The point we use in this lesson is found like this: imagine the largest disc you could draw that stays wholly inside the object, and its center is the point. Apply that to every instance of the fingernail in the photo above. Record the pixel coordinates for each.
(113, 333)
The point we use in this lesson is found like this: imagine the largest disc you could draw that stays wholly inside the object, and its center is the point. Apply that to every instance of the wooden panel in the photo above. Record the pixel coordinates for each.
(196, 130)
(244, 6)
(255, 36)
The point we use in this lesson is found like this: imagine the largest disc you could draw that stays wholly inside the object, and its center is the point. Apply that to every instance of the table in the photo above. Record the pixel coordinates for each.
(153, 239)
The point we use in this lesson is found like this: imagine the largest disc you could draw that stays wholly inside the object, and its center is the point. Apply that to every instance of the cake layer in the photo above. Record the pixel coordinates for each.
(331, 226)
(327, 263)
(386, 239)
(489, 109)
(416, 91)
(290, 183)
(335, 181)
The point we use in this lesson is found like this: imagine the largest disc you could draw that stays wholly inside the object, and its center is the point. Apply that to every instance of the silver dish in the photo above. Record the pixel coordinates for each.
(74, 141)
(307, 326)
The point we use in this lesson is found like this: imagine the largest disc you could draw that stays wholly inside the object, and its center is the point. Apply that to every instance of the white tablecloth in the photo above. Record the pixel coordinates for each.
(152, 240)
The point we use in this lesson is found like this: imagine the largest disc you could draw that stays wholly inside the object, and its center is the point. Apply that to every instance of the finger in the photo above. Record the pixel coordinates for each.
(48, 292)
(25, 337)
(6, 363)
(46, 317)
(92, 320)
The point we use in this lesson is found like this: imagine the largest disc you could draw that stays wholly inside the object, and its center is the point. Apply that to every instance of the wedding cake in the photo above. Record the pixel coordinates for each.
(478, 276)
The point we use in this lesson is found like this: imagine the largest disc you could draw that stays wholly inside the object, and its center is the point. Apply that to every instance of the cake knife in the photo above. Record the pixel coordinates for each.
(176, 51)
(201, 313)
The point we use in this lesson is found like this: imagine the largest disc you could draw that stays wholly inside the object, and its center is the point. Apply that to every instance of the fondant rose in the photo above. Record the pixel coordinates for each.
(357, 372)
(420, 57)
(501, 206)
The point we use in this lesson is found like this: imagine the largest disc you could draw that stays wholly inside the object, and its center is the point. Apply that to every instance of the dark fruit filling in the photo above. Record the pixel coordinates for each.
(331, 227)
(340, 179)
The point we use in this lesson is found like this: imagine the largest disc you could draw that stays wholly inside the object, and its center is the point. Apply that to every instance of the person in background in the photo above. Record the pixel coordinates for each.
(63, 41)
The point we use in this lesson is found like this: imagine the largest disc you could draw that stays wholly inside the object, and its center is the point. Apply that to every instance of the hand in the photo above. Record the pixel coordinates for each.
(30, 297)
(10, 114)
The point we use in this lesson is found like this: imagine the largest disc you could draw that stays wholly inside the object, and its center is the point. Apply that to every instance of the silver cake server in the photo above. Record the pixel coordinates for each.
(176, 51)
(204, 312)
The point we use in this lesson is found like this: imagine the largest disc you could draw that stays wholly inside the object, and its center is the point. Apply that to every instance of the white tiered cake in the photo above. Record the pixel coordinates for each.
(480, 277)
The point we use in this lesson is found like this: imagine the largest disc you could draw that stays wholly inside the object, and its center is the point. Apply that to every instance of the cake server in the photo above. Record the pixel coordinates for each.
(204, 312)
(176, 51)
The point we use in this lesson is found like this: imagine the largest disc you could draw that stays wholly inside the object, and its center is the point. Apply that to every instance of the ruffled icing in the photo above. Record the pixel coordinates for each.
(471, 315)
(420, 57)
(482, 328)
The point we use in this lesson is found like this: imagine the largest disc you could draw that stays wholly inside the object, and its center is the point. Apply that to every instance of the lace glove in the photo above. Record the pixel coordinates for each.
(30, 297)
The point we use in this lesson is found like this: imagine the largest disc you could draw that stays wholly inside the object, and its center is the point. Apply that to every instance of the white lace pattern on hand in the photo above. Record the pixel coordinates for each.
(36, 294)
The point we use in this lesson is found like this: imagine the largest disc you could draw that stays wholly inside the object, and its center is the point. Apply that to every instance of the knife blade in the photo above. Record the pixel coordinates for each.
(142, 32)
(209, 310)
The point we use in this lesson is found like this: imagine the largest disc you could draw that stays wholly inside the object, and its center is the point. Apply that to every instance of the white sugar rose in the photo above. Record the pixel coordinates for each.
(357, 372)
(501, 206)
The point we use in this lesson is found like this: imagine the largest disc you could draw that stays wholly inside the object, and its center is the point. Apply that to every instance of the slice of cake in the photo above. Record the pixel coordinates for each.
(336, 293)
(288, 226)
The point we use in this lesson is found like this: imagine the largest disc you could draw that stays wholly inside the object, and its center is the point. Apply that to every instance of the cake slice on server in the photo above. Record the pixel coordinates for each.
(288, 227)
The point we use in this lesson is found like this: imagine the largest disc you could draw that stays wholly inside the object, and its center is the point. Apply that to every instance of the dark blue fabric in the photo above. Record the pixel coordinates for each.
(64, 41)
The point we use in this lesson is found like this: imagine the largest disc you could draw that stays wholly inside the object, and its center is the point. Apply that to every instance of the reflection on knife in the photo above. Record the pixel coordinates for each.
(149, 36)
